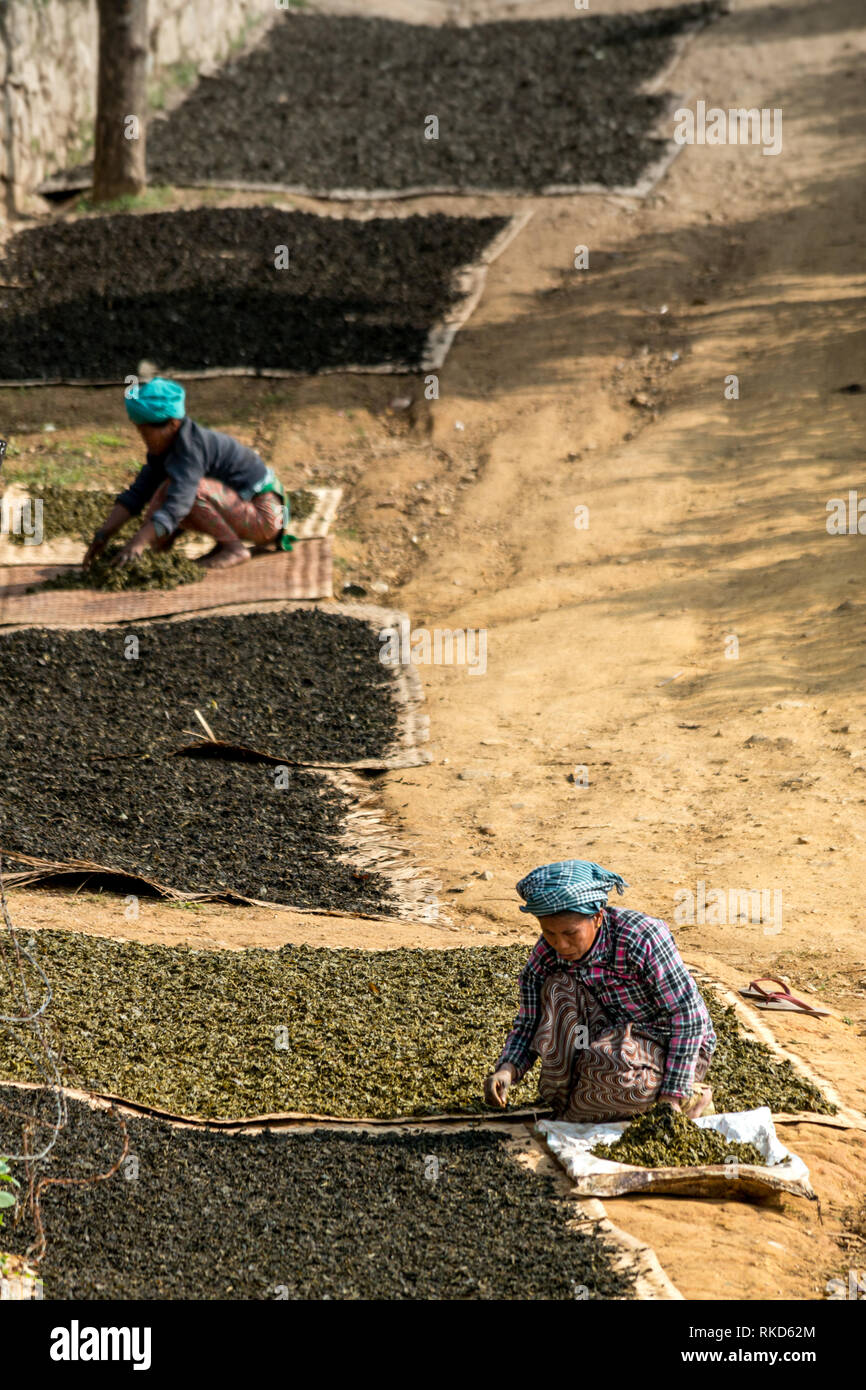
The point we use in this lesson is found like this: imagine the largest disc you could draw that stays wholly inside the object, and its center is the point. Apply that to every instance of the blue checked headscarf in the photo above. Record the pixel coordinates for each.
(154, 401)
(572, 885)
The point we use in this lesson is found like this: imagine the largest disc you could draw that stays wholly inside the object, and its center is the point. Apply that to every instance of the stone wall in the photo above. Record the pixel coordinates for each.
(48, 59)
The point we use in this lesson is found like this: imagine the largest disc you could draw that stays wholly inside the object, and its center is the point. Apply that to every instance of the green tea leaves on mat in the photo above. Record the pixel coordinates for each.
(301, 504)
(152, 570)
(196, 1032)
(665, 1138)
(306, 1216)
(745, 1073)
(78, 513)
(72, 512)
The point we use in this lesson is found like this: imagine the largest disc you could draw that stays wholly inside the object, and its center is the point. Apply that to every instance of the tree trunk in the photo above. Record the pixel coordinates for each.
(121, 100)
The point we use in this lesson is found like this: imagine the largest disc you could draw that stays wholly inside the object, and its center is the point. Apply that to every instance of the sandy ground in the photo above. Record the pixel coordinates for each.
(609, 648)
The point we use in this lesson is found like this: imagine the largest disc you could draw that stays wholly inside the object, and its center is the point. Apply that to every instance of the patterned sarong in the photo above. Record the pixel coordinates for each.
(218, 511)
(591, 1068)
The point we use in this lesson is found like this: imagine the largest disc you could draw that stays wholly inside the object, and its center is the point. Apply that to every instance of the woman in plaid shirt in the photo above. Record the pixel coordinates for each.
(606, 1003)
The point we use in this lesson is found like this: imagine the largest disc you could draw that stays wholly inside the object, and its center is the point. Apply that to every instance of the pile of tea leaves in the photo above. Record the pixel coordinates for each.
(151, 570)
(665, 1138)
(745, 1073)
(306, 1216)
(301, 504)
(320, 1031)
(78, 513)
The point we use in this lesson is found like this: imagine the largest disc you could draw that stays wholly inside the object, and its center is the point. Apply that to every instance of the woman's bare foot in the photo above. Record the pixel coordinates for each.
(222, 557)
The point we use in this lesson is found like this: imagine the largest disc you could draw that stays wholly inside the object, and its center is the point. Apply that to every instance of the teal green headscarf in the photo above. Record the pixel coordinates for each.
(570, 885)
(155, 401)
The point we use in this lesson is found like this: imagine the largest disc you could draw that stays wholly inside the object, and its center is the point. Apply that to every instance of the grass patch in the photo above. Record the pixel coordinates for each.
(153, 198)
(173, 79)
(67, 466)
(105, 441)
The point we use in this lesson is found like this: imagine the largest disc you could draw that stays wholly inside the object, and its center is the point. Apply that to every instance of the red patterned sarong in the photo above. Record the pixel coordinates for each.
(591, 1068)
(218, 511)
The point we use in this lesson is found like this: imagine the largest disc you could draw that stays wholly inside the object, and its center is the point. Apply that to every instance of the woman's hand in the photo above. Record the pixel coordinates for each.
(498, 1084)
(118, 516)
(675, 1102)
(693, 1106)
(129, 553)
(139, 543)
(96, 547)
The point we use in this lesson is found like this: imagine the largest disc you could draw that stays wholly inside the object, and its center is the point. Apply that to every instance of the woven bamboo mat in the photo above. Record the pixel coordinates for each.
(303, 573)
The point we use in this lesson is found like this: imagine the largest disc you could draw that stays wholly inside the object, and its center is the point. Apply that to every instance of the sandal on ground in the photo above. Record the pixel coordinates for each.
(781, 999)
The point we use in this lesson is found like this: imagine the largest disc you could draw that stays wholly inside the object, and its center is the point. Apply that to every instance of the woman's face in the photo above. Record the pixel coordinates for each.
(570, 933)
(157, 438)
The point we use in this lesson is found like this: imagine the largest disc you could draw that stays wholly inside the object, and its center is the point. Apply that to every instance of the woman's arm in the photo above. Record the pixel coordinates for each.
(117, 517)
(517, 1055)
(185, 469)
(677, 994)
(517, 1051)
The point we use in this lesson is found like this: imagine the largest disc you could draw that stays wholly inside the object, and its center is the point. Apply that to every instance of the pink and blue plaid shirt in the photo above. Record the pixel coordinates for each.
(637, 975)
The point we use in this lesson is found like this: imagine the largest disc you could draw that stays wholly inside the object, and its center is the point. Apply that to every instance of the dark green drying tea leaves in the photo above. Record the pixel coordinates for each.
(195, 826)
(665, 1138)
(306, 685)
(301, 504)
(745, 1073)
(307, 1216)
(152, 570)
(68, 511)
(330, 1032)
